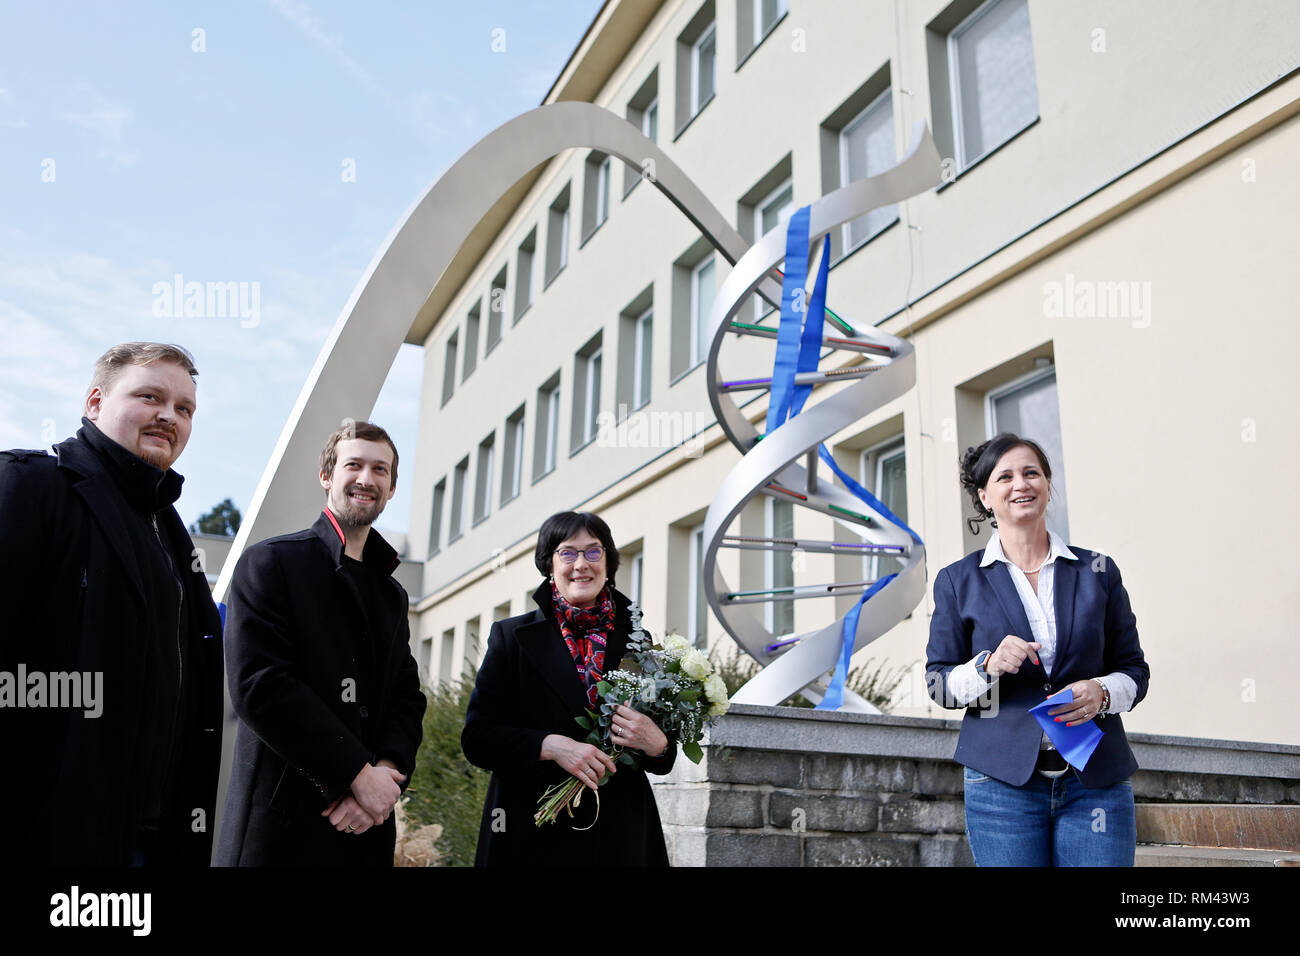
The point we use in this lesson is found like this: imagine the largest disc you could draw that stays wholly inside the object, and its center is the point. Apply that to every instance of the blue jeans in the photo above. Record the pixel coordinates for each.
(1057, 822)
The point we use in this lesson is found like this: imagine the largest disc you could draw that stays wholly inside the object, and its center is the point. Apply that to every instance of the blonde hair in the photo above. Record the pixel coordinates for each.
(109, 366)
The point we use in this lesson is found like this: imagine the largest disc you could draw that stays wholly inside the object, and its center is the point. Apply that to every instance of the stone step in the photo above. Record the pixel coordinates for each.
(1235, 826)
(1211, 856)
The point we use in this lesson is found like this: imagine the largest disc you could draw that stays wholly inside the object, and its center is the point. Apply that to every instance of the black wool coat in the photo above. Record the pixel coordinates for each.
(527, 689)
(300, 646)
(73, 594)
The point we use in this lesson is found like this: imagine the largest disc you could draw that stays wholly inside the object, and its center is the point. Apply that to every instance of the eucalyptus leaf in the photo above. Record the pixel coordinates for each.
(693, 751)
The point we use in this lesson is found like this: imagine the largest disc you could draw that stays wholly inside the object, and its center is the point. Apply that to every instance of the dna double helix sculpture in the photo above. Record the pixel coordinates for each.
(788, 462)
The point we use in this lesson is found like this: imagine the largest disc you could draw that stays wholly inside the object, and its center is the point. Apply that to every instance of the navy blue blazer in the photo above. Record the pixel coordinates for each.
(1096, 634)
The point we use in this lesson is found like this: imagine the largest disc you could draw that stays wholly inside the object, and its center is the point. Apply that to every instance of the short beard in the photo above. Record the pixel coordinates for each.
(353, 516)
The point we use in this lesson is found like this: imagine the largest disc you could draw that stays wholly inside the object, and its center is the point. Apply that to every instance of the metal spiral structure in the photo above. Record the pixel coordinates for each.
(785, 464)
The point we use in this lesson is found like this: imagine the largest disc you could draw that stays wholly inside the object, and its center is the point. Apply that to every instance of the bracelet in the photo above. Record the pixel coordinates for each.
(1105, 698)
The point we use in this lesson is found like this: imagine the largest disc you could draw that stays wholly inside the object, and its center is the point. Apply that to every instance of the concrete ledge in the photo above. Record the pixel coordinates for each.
(786, 786)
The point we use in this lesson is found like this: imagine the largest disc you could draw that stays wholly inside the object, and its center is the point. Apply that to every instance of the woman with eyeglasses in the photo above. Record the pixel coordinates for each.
(1017, 622)
(540, 674)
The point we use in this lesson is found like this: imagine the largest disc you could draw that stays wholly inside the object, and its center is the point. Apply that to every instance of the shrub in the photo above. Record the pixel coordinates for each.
(446, 789)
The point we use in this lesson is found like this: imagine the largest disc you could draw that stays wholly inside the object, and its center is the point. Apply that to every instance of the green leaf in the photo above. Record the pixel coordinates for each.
(603, 687)
(693, 751)
(583, 722)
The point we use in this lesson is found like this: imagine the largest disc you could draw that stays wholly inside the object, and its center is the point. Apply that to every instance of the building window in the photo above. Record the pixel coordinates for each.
(483, 478)
(548, 427)
(755, 19)
(703, 287)
(524, 273)
(557, 236)
(772, 210)
(512, 464)
(857, 142)
(435, 517)
(643, 338)
(698, 603)
(635, 353)
(448, 654)
(636, 575)
(704, 76)
(472, 647)
(984, 87)
(643, 113)
(449, 367)
(501, 611)
(867, 149)
(471, 341)
(780, 566)
(884, 474)
(1028, 407)
(496, 310)
(426, 661)
(459, 499)
(595, 205)
(586, 392)
(697, 55)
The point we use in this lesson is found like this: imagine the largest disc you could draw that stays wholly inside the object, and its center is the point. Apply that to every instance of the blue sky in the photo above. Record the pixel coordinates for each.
(128, 156)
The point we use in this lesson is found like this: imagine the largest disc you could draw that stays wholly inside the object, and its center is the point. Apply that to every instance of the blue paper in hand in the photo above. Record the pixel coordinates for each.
(1077, 743)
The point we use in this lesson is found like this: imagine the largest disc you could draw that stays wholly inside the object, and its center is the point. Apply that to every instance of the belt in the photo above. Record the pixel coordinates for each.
(1051, 764)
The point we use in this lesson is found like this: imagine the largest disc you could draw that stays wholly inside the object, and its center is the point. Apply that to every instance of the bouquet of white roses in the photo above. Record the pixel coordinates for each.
(673, 684)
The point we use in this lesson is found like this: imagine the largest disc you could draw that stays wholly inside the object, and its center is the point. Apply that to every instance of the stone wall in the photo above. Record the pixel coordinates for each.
(782, 786)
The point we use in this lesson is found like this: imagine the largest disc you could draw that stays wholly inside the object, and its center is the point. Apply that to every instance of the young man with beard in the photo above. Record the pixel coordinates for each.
(322, 678)
(110, 656)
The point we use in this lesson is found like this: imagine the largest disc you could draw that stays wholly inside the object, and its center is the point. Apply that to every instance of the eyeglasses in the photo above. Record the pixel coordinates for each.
(569, 555)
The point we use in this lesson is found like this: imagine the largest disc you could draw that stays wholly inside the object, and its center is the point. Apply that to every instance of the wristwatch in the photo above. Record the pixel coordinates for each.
(980, 660)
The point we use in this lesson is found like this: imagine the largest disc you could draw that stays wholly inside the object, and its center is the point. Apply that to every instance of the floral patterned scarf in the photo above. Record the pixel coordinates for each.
(585, 630)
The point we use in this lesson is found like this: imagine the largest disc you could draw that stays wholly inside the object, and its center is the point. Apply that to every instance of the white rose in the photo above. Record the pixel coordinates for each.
(695, 664)
(718, 709)
(676, 645)
(715, 689)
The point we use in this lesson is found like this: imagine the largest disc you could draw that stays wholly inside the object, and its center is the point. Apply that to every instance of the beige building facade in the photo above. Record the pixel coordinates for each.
(1109, 268)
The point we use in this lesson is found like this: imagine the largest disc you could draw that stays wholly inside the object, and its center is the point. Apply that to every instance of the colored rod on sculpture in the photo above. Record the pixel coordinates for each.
(801, 378)
(741, 541)
(780, 644)
(830, 341)
(794, 494)
(792, 593)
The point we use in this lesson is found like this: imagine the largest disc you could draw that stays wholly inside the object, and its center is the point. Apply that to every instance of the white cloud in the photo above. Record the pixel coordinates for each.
(313, 27)
(104, 121)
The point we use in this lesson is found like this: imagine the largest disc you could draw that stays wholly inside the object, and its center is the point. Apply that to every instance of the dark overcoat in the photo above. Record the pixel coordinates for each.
(71, 588)
(309, 721)
(527, 689)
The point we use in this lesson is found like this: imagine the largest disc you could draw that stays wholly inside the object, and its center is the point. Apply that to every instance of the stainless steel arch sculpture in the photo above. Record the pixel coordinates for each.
(354, 361)
(772, 467)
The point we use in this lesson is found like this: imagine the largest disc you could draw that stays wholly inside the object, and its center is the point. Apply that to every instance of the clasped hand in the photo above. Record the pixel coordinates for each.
(369, 801)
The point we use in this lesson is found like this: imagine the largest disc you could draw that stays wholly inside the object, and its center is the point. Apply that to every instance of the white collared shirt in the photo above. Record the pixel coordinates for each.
(964, 681)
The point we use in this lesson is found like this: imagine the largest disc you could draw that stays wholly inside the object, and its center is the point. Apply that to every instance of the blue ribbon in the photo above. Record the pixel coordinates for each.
(787, 400)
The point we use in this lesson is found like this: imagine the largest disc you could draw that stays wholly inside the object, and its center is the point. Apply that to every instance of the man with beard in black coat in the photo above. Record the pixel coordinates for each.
(110, 658)
(322, 678)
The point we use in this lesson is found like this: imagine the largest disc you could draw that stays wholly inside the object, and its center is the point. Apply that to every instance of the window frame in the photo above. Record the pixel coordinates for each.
(879, 102)
(697, 355)
(709, 33)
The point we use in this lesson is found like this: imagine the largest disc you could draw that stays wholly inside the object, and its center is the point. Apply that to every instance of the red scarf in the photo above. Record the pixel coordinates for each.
(585, 630)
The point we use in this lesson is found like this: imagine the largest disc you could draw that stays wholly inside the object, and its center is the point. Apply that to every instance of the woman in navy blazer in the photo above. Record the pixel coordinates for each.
(1014, 624)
